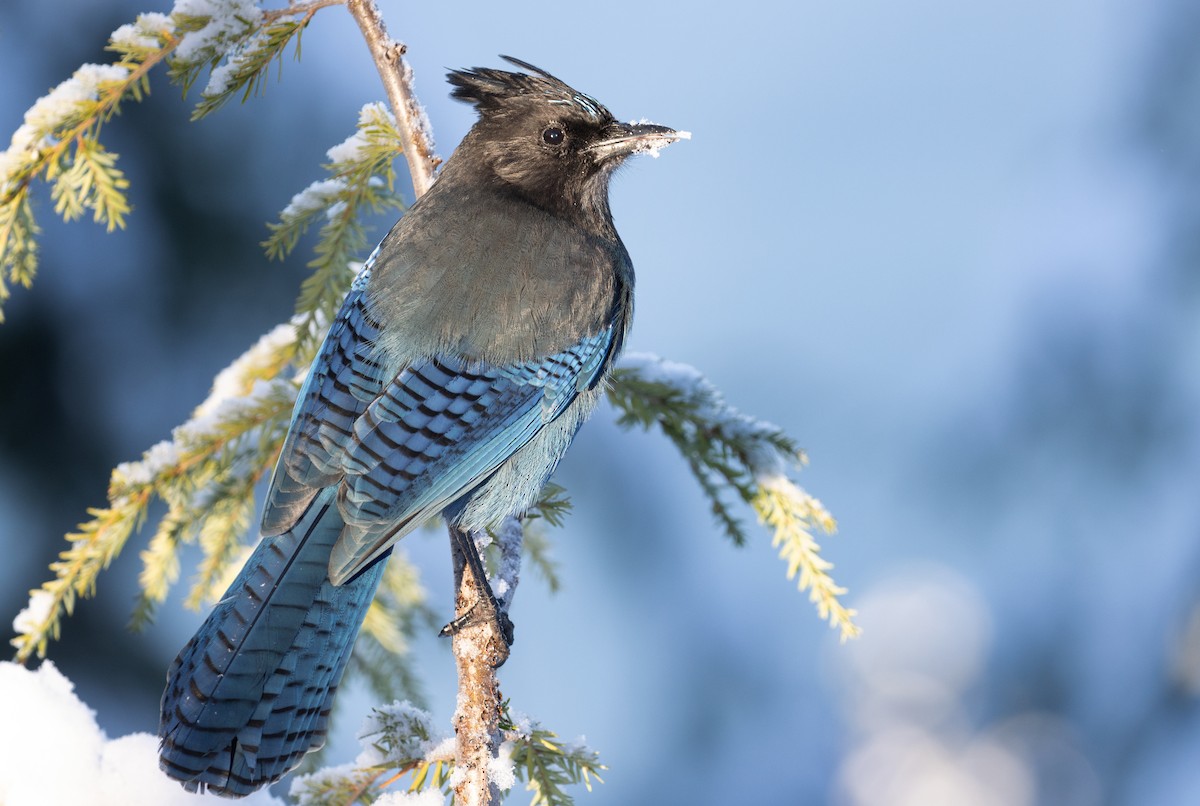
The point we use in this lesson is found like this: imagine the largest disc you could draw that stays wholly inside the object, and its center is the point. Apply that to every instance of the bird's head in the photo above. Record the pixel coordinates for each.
(552, 144)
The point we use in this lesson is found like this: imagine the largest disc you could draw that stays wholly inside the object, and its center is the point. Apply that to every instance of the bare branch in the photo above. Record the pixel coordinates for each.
(397, 81)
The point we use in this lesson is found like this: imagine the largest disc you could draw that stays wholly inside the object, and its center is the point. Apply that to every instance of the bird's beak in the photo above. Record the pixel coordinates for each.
(624, 139)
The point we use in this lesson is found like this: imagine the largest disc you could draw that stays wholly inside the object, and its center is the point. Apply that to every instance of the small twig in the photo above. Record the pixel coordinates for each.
(400, 773)
(293, 9)
(362, 788)
(510, 537)
(397, 81)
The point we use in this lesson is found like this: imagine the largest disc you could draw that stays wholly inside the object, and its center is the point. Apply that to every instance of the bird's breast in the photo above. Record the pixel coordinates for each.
(498, 285)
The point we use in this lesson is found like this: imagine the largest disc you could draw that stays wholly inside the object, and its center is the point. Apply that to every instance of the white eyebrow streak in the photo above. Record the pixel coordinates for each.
(584, 102)
(588, 104)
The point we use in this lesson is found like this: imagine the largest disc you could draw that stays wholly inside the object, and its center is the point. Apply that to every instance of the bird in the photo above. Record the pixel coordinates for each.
(474, 342)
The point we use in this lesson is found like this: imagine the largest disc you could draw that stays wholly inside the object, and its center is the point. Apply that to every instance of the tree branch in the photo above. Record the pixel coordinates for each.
(397, 82)
(478, 646)
(478, 650)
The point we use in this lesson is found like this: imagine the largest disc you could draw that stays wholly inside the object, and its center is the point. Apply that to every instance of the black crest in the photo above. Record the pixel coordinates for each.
(490, 90)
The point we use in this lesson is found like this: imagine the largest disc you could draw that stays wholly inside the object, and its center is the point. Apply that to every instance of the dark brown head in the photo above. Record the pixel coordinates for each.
(549, 143)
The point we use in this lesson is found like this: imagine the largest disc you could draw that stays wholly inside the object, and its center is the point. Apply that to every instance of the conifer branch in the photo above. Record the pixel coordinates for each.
(546, 763)
(246, 67)
(730, 452)
(478, 649)
(400, 740)
(59, 142)
(362, 178)
(204, 470)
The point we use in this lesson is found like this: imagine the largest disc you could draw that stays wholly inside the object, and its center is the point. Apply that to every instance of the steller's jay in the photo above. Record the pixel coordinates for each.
(468, 351)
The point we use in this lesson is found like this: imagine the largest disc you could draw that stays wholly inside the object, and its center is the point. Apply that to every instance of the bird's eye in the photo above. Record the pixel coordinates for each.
(553, 136)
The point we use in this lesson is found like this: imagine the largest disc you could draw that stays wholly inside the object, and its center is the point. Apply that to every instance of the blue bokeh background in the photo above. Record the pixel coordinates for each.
(951, 248)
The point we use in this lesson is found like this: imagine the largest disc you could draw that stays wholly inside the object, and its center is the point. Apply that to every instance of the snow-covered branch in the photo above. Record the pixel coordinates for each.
(728, 451)
(397, 82)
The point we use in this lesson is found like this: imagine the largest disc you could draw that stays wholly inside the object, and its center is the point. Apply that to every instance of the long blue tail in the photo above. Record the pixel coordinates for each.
(250, 693)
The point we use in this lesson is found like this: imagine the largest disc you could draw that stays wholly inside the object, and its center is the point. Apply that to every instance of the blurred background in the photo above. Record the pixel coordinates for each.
(951, 248)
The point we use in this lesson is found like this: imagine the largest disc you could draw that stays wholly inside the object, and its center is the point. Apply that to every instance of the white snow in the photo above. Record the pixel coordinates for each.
(52, 110)
(221, 77)
(351, 149)
(144, 31)
(216, 409)
(15, 156)
(653, 147)
(324, 193)
(235, 389)
(655, 369)
(442, 751)
(231, 382)
(501, 769)
(54, 752)
(396, 733)
(33, 614)
(313, 197)
(160, 456)
(63, 101)
(509, 536)
(228, 21)
(522, 724)
(302, 785)
(427, 797)
(225, 24)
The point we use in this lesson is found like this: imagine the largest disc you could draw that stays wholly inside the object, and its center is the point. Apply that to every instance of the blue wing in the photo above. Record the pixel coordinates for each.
(401, 450)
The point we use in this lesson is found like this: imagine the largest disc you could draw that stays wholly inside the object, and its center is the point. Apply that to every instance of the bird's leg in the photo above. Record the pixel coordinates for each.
(486, 607)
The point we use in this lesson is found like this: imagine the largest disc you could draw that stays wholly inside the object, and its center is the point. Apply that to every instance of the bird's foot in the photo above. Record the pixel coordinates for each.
(485, 611)
(473, 616)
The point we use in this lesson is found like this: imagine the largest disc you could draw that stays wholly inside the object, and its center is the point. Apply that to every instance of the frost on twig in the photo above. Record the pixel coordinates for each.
(479, 649)
(509, 539)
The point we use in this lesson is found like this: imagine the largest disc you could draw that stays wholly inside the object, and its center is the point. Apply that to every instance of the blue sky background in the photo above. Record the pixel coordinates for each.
(950, 248)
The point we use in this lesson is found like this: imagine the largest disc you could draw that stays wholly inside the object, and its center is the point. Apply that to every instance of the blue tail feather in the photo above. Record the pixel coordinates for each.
(250, 693)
